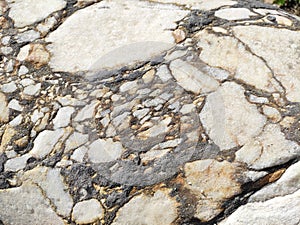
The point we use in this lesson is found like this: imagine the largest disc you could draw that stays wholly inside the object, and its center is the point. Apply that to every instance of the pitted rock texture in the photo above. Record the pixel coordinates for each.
(149, 112)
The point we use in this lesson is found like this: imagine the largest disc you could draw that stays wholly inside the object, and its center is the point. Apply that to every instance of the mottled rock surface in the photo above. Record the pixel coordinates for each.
(129, 112)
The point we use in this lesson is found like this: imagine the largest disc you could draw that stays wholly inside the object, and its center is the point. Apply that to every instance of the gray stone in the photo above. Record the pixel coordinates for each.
(45, 142)
(75, 140)
(148, 210)
(269, 149)
(221, 111)
(79, 153)
(281, 53)
(87, 211)
(26, 205)
(70, 39)
(86, 112)
(288, 183)
(50, 181)
(191, 78)
(23, 70)
(104, 150)
(202, 4)
(4, 110)
(17, 163)
(232, 55)
(32, 90)
(276, 211)
(27, 36)
(15, 105)
(6, 50)
(39, 9)
(234, 13)
(9, 87)
(63, 117)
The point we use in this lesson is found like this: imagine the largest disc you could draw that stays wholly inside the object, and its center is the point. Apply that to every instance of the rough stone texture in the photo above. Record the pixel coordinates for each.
(149, 210)
(278, 52)
(39, 9)
(87, 211)
(287, 184)
(45, 141)
(4, 111)
(36, 209)
(270, 148)
(63, 117)
(234, 13)
(277, 211)
(233, 56)
(50, 181)
(104, 151)
(221, 111)
(150, 25)
(196, 4)
(211, 193)
(192, 79)
(149, 112)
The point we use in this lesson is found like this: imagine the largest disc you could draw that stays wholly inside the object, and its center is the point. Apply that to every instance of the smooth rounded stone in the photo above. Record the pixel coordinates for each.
(104, 151)
(37, 209)
(45, 142)
(281, 53)
(8, 134)
(222, 110)
(15, 105)
(86, 112)
(9, 87)
(272, 113)
(39, 9)
(212, 183)
(75, 140)
(27, 36)
(234, 13)
(87, 211)
(270, 148)
(32, 90)
(63, 117)
(276, 211)
(191, 78)
(232, 55)
(51, 182)
(4, 110)
(6, 50)
(144, 209)
(16, 164)
(83, 41)
(288, 183)
(79, 153)
(23, 70)
(23, 53)
(202, 4)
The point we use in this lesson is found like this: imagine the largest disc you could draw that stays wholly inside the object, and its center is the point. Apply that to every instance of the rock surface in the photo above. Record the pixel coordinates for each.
(149, 112)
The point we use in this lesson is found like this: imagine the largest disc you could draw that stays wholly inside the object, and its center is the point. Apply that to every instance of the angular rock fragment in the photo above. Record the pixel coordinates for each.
(269, 149)
(191, 78)
(149, 210)
(39, 9)
(84, 41)
(212, 183)
(26, 205)
(87, 211)
(276, 211)
(228, 118)
(281, 53)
